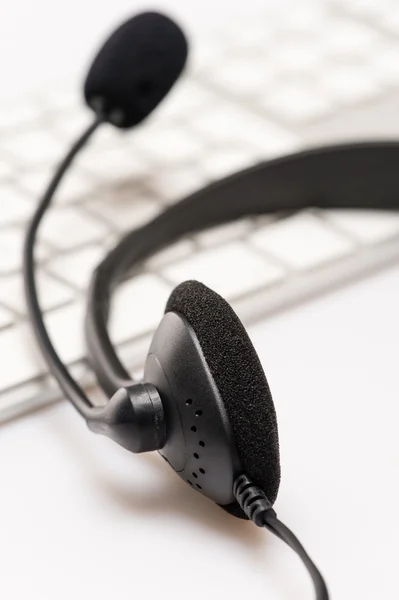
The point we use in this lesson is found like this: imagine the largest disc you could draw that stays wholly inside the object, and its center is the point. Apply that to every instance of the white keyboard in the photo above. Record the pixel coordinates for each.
(253, 91)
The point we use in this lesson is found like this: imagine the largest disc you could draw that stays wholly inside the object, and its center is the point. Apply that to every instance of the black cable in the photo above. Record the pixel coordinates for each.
(258, 509)
(275, 526)
(71, 389)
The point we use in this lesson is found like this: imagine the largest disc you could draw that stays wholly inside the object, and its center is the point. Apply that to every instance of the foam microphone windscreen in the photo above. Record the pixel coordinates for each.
(135, 69)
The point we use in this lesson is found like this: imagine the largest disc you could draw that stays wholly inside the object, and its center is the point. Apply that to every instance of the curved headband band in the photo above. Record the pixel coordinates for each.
(353, 176)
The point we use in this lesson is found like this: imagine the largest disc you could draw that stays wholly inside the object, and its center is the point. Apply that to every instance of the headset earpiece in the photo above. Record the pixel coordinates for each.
(217, 402)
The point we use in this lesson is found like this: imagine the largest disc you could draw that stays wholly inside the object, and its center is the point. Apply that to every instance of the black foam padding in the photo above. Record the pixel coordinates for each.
(240, 379)
(135, 68)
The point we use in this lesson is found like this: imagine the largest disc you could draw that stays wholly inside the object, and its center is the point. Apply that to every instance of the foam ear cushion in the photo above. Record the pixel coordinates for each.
(240, 379)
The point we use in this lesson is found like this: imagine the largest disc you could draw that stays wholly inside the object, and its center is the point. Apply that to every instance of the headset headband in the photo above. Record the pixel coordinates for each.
(350, 176)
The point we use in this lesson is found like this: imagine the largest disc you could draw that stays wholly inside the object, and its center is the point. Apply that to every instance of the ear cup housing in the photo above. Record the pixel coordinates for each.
(240, 379)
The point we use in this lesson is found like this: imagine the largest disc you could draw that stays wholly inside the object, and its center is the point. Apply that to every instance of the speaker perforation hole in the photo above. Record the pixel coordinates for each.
(202, 471)
(202, 444)
(198, 413)
(190, 482)
(193, 428)
(189, 402)
(195, 475)
(196, 455)
(199, 486)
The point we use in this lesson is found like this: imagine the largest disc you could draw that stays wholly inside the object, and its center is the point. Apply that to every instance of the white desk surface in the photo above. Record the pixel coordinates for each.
(80, 518)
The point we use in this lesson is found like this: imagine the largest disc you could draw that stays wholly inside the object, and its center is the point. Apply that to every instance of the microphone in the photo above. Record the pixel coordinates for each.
(135, 69)
(131, 74)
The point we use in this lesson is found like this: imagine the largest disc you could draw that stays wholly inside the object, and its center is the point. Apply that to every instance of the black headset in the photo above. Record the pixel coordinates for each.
(204, 402)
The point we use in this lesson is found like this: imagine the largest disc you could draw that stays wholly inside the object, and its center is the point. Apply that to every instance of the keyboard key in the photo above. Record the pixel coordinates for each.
(112, 164)
(390, 21)
(254, 35)
(76, 267)
(345, 38)
(222, 123)
(206, 52)
(68, 227)
(385, 63)
(134, 352)
(6, 171)
(348, 83)
(138, 307)
(297, 101)
(241, 76)
(60, 100)
(73, 122)
(124, 207)
(227, 124)
(301, 242)
(176, 182)
(231, 270)
(171, 254)
(11, 244)
(14, 205)
(75, 185)
(35, 181)
(222, 161)
(27, 397)
(35, 147)
(20, 115)
(368, 9)
(367, 226)
(224, 233)
(6, 317)
(296, 55)
(184, 100)
(106, 137)
(21, 358)
(66, 330)
(169, 144)
(52, 293)
(309, 20)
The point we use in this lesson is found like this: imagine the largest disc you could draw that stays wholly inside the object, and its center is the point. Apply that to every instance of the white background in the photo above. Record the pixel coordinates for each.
(81, 518)
(47, 43)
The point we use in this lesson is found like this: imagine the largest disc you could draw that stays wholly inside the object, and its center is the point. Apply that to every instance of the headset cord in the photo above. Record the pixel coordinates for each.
(258, 509)
(70, 387)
